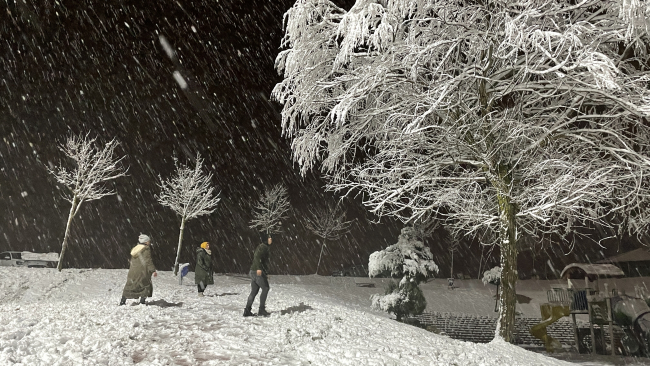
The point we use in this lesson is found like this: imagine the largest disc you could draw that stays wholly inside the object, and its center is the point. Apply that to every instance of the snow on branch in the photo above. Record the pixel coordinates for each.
(271, 210)
(328, 222)
(93, 167)
(189, 192)
(408, 259)
(492, 276)
(455, 104)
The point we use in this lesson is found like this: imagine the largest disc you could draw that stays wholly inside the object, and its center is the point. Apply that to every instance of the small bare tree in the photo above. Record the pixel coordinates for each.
(328, 223)
(271, 210)
(190, 194)
(453, 247)
(85, 181)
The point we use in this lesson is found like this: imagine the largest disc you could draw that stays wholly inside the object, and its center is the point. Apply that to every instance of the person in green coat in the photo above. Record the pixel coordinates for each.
(138, 281)
(259, 276)
(203, 272)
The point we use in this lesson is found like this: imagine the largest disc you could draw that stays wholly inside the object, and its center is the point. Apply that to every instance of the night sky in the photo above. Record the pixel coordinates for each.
(98, 67)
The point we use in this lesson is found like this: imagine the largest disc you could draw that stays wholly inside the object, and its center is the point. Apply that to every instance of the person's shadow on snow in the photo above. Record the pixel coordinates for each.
(296, 309)
(164, 304)
(224, 294)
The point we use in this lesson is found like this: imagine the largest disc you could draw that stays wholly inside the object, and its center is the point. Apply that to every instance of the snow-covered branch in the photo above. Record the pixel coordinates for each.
(189, 192)
(408, 259)
(492, 276)
(92, 168)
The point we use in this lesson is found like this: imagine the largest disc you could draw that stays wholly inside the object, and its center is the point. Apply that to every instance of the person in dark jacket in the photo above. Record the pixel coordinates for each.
(203, 272)
(258, 274)
(138, 281)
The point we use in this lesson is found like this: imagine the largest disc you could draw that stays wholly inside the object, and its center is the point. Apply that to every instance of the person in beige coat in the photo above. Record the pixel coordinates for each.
(138, 281)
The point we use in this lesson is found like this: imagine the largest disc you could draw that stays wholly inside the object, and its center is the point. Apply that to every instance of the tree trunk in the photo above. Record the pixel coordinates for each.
(509, 275)
(451, 270)
(180, 244)
(480, 263)
(321, 255)
(64, 246)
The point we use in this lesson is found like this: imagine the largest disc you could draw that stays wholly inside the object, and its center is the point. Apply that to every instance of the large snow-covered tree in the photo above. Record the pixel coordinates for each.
(507, 118)
(86, 180)
(189, 193)
(327, 222)
(271, 209)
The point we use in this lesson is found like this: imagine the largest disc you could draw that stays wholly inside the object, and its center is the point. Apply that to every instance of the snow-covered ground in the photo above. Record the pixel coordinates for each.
(72, 318)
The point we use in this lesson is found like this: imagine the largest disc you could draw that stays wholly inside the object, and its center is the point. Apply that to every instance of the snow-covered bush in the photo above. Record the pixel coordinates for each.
(409, 260)
(401, 300)
(492, 276)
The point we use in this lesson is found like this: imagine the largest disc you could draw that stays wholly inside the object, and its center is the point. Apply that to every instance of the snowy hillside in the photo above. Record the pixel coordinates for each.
(72, 318)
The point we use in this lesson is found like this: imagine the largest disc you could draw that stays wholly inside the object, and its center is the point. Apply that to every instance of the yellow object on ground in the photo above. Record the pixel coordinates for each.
(550, 313)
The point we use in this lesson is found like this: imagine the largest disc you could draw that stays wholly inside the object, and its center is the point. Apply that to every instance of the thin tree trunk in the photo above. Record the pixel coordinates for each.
(508, 295)
(451, 270)
(64, 246)
(180, 244)
(480, 263)
(321, 255)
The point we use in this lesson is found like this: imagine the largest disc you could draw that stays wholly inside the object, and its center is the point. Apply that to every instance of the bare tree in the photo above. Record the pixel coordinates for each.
(327, 222)
(190, 194)
(86, 180)
(271, 210)
(510, 118)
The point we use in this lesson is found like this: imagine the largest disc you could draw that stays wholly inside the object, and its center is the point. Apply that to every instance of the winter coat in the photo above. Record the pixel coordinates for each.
(138, 281)
(261, 259)
(203, 270)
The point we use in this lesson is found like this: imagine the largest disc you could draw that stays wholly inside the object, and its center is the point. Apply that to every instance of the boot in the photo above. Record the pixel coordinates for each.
(143, 301)
(123, 301)
(200, 294)
(263, 312)
(247, 312)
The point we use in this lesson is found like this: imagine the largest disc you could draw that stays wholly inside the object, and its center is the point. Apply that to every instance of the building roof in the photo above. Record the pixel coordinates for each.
(593, 271)
(637, 255)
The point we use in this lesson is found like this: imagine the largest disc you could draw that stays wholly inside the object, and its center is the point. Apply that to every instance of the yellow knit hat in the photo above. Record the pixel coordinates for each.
(204, 245)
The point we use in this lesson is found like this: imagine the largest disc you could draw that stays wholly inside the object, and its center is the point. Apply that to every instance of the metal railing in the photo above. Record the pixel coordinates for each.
(575, 298)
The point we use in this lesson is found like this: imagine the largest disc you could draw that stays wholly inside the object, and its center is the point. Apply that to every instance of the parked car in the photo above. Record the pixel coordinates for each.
(29, 259)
